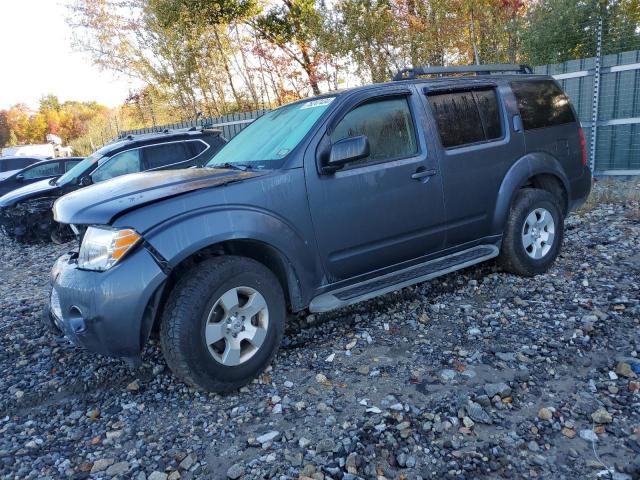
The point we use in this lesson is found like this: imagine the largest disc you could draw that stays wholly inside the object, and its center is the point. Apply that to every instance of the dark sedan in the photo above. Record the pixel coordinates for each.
(42, 170)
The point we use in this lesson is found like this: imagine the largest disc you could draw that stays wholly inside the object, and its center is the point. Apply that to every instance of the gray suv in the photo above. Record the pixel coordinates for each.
(316, 205)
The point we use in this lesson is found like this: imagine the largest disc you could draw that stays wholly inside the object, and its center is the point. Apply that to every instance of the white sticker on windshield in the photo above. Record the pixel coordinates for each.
(321, 102)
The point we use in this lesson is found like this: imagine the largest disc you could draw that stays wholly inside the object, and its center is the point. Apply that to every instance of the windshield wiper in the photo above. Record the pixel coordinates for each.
(235, 166)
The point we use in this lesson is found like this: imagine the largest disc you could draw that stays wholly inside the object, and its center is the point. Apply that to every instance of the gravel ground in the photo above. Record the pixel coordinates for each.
(479, 374)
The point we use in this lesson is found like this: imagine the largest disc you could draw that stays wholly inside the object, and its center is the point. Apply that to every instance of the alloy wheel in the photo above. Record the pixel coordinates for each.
(237, 326)
(538, 233)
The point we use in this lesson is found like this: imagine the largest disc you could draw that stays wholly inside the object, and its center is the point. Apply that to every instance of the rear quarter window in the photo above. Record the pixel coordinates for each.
(165, 154)
(466, 117)
(15, 164)
(542, 104)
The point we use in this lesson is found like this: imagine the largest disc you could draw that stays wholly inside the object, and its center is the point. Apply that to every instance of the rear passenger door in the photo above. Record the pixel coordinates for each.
(477, 145)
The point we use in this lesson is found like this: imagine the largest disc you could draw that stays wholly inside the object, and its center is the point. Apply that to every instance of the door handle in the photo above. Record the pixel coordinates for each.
(423, 173)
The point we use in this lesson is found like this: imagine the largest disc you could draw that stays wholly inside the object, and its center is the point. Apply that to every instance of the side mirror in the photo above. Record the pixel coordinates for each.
(346, 150)
(85, 181)
(20, 177)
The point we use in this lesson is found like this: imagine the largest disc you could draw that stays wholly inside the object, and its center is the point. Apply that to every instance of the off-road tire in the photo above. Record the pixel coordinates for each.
(185, 316)
(513, 257)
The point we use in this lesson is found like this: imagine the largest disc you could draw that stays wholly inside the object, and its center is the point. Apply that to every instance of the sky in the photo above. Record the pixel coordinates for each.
(36, 58)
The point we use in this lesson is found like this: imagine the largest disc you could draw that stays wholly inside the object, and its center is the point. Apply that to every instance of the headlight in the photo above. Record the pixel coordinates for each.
(103, 247)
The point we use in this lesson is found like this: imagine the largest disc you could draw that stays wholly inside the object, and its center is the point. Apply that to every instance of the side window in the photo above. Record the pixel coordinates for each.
(120, 164)
(196, 148)
(17, 163)
(542, 104)
(48, 169)
(466, 117)
(69, 164)
(489, 113)
(165, 154)
(388, 126)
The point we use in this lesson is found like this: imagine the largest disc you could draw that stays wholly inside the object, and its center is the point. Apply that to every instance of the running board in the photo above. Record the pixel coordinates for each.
(409, 276)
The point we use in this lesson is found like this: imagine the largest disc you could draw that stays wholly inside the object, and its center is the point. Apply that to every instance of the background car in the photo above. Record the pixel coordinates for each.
(14, 163)
(38, 171)
(25, 213)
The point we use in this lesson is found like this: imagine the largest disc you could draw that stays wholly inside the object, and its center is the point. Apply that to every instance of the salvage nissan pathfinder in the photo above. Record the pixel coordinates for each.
(316, 205)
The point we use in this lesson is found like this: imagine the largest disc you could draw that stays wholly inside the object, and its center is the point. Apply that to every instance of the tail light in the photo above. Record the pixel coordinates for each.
(583, 146)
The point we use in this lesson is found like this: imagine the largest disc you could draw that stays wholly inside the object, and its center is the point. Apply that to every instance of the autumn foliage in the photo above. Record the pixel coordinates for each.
(206, 58)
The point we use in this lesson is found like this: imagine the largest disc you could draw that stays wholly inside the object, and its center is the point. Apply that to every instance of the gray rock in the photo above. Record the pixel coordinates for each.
(477, 413)
(506, 356)
(268, 437)
(187, 462)
(325, 445)
(588, 435)
(235, 471)
(155, 475)
(502, 389)
(447, 375)
(119, 468)
(101, 464)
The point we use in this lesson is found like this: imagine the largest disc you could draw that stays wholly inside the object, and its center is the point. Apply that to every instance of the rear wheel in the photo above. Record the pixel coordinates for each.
(223, 323)
(533, 234)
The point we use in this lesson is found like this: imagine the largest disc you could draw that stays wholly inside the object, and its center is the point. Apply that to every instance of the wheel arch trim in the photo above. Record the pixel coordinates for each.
(189, 234)
(528, 166)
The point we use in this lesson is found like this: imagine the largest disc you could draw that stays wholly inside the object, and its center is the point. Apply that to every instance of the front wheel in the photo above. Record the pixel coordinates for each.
(533, 234)
(223, 323)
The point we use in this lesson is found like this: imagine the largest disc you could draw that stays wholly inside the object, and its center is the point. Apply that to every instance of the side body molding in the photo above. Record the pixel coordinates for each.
(535, 163)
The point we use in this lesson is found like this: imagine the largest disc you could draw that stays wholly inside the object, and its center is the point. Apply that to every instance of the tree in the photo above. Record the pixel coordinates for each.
(5, 130)
(180, 48)
(25, 126)
(559, 30)
(293, 26)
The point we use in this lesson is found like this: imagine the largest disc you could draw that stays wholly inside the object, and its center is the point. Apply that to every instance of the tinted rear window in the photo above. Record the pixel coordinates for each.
(165, 154)
(195, 148)
(466, 117)
(542, 104)
(9, 164)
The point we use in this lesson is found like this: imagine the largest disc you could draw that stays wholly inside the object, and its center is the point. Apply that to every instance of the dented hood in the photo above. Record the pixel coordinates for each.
(99, 204)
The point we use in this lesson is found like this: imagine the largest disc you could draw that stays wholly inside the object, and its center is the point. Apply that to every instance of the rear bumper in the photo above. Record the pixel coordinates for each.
(580, 189)
(105, 312)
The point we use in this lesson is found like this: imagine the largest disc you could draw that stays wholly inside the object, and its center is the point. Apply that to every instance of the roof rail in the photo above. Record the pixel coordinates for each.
(415, 72)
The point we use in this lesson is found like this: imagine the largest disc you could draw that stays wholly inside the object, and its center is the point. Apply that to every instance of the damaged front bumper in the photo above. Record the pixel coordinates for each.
(107, 312)
(28, 221)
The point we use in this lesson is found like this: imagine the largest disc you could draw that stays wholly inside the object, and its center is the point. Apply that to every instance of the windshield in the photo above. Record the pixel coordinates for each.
(265, 142)
(79, 169)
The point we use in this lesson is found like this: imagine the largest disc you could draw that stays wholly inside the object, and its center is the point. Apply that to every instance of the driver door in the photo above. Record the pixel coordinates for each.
(384, 209)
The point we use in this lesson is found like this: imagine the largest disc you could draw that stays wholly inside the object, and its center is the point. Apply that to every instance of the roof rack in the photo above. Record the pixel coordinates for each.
(415, 72)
